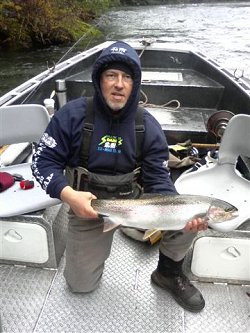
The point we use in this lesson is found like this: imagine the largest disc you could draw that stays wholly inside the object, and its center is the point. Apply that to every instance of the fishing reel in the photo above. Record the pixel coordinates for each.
(218, 121)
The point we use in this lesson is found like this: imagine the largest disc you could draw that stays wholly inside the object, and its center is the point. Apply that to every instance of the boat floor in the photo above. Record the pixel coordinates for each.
(38, 300)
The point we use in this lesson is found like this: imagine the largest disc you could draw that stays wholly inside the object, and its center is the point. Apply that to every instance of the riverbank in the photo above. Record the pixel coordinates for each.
(40, 24)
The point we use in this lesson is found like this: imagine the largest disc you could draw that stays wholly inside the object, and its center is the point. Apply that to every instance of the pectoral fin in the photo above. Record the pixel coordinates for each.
(109, 223)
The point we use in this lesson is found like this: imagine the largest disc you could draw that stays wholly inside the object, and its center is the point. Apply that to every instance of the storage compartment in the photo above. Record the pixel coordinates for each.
(37, 239)
(221, 258)
(23, 242)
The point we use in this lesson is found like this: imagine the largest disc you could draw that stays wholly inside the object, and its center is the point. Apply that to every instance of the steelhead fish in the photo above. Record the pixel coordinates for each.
(163, 212)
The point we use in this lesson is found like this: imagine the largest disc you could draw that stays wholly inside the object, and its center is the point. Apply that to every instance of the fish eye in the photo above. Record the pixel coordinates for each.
(231, 209)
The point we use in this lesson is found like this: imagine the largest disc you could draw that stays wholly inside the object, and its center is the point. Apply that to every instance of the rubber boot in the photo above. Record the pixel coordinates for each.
(169, 276)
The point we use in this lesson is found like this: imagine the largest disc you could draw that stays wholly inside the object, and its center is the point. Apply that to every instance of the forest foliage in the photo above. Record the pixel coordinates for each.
(40, 23)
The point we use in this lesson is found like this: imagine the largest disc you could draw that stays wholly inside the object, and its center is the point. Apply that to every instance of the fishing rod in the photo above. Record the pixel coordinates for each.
(51, 70)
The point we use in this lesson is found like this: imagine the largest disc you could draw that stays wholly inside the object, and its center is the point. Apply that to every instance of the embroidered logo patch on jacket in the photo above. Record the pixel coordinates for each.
(110, 144)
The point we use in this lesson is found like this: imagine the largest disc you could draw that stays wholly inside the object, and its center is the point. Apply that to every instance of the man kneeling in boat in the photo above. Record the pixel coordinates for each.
(96, 142)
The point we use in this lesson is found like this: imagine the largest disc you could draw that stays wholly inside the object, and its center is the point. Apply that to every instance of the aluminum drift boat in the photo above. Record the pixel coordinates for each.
(193, 98)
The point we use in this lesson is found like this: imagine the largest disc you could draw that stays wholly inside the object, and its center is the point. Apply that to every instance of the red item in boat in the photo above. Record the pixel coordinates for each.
(26, 184)
(6, 181)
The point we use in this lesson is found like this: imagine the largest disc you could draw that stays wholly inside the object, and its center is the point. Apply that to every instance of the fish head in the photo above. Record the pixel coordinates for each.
(221, 211)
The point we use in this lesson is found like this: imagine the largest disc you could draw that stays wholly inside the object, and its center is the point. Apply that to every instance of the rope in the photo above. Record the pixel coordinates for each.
(164, 106)
(145, 103)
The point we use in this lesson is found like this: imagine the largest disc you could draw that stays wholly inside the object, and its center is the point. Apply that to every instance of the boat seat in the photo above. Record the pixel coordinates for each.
(22, 123)
(222, 180)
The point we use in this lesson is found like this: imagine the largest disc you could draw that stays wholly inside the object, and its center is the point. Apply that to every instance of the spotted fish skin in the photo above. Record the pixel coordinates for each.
(163, 212)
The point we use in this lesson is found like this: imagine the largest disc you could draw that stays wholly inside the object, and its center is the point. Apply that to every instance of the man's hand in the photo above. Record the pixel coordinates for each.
(195, 225)
(79, 201)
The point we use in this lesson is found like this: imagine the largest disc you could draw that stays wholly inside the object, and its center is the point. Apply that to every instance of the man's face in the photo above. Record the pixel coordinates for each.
(116, 87)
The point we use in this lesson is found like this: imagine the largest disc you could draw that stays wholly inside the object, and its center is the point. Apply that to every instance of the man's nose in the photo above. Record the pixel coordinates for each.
(119, 81)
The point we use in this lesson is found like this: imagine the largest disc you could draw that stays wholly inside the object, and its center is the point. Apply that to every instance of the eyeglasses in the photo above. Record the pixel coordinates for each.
(112, 76)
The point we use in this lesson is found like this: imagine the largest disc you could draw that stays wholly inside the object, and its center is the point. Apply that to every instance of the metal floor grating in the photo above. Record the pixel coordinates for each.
(38, 300)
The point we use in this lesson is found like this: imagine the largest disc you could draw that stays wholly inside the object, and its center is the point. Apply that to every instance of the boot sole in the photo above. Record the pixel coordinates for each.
(156, 280)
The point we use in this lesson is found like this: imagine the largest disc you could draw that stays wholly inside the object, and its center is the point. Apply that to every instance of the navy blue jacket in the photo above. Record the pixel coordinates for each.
(113, 145)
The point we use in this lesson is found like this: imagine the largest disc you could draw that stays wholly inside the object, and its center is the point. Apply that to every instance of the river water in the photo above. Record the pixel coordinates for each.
(221, 31)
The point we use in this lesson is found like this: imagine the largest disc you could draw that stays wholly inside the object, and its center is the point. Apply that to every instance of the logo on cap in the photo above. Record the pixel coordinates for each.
(119, 50)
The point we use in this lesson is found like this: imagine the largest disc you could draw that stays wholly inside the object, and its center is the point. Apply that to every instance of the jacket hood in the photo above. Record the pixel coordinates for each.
(123, 53)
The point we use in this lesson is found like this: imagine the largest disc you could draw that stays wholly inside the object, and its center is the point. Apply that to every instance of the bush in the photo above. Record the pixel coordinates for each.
(39, 23)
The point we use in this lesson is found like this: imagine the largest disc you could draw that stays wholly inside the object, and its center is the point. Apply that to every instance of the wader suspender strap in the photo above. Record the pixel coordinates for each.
(88, 129)
(139, 131)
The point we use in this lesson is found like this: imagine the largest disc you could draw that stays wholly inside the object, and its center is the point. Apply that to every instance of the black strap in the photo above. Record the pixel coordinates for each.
(139, 131)
(88, 129)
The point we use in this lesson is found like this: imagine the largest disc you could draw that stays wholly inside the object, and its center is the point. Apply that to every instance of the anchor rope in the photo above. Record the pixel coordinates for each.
(145, 103)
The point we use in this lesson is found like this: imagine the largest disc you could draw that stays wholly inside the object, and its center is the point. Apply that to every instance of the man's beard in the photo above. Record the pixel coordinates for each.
(114, 106)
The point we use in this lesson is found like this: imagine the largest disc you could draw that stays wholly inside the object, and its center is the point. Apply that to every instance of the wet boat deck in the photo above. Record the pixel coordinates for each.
(183, 124)
(38, 300)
